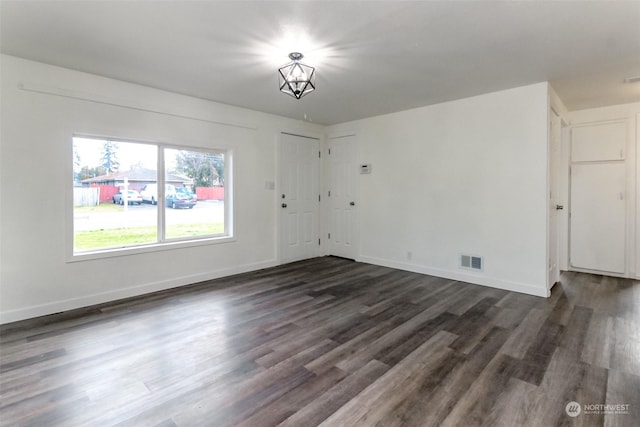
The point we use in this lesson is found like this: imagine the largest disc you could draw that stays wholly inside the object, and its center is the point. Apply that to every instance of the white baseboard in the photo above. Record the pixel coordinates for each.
(461, 277)
(89, 300)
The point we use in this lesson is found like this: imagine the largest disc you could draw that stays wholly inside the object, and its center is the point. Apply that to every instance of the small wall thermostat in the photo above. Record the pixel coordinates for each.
(365, 168)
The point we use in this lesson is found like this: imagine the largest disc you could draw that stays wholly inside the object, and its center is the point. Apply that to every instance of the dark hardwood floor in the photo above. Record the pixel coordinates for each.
(332, 342)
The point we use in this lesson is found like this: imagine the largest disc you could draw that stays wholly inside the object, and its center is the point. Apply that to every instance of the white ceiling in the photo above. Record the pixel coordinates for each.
(372, 57)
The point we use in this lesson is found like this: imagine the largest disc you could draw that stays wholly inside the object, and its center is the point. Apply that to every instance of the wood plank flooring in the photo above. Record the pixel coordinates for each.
(334, 343)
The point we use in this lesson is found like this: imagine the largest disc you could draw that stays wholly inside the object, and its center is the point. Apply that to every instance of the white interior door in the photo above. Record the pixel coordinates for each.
(598, 216)
(342, 197)
(298, 199)
(554, 200)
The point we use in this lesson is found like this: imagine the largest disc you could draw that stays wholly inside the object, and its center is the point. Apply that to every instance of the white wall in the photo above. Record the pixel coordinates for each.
(464, 176)
(36, 174)
(468, 176)
(631, 114)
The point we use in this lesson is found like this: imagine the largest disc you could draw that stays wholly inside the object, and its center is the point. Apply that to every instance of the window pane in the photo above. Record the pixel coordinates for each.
(110, 180)
(194, 195)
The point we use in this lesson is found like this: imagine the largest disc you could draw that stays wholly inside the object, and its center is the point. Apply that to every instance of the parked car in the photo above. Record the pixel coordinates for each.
(133, 198)
(181, 198)
(150, 192)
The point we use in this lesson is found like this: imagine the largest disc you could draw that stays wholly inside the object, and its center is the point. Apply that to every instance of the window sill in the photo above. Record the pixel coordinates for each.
(150, 248)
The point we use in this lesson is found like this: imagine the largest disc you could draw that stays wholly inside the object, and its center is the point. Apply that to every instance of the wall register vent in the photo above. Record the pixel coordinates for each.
(471, 262)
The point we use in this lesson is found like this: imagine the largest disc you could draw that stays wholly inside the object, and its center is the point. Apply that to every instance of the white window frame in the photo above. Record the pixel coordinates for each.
(162, 242)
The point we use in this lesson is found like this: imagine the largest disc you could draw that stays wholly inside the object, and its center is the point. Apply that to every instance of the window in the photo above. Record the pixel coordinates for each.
(121, 201)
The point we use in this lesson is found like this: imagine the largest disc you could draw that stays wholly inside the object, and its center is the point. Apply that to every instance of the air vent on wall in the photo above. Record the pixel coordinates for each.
(471, 262)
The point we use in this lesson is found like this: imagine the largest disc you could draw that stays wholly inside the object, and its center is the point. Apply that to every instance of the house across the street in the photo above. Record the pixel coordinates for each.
(137, 178)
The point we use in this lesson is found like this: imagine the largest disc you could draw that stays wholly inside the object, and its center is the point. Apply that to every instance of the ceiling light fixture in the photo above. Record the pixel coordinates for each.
(295, 78)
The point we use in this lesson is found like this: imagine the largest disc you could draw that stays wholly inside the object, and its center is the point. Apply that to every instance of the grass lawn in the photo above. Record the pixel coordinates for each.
(117, 237)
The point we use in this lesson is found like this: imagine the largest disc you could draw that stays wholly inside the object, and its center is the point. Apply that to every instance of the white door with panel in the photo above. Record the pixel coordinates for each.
(598, 230)
(342, 197)
(555, 135)
(298, 198)
(598, 217)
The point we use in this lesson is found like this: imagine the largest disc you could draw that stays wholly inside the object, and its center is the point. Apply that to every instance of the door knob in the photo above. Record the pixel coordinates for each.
(352, 203)
(559, 207)
(284, 205)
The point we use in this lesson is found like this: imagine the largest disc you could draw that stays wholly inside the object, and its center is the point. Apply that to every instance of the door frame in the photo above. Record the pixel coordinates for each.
(554, 193)
(278, 187)
(356, 189)
(630, 148)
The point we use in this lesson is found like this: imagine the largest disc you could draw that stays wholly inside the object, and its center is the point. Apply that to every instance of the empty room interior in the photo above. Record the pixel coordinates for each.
(336, 213)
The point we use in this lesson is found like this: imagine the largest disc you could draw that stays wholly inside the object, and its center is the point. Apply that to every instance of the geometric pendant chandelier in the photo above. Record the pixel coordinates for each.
(297, 79)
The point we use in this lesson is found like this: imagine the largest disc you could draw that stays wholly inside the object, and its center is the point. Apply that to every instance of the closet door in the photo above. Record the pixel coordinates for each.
(598, 216)
(599, 142)
(342, 197)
